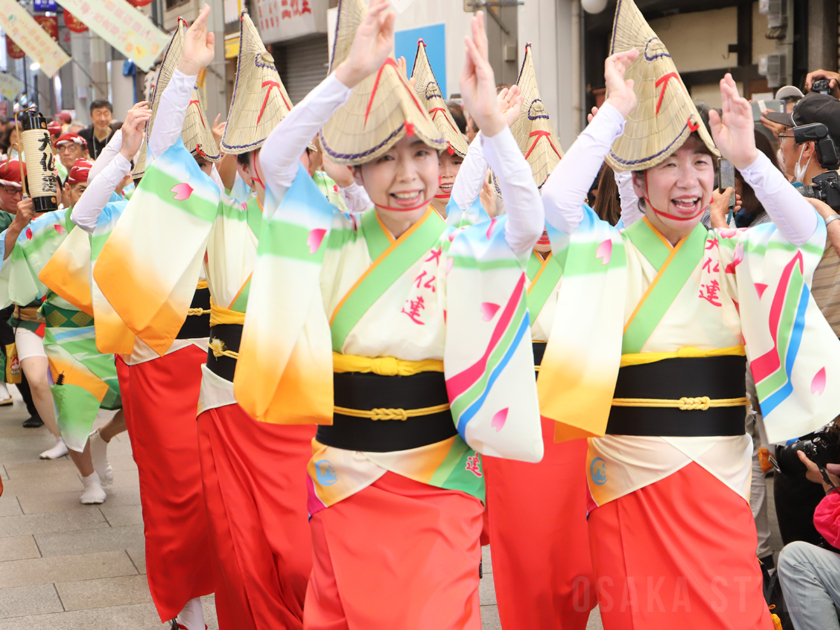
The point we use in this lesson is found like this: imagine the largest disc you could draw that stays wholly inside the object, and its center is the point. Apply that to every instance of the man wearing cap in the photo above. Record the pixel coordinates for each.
(70, 147)
(13, 222)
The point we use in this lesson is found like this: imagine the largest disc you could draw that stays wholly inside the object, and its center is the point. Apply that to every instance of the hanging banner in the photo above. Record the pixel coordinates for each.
(281, 20)
(122, 26)
(10, 86)
(31, 38)
(49, 24)
(13, 50)
(73, 23)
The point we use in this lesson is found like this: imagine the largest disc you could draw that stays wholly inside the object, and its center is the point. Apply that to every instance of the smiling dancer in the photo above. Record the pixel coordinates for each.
(647, 352)
(419, 330)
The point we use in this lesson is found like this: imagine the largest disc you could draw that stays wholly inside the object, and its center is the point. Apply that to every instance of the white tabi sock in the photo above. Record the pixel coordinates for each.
(93, 490)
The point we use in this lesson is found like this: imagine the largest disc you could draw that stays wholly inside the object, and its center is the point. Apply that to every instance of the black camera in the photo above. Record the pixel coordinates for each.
(825, 187)
(818, 134)
(821, 86)
(821, 447)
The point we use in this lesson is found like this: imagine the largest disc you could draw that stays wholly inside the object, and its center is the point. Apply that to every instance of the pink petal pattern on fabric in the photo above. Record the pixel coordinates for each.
(449, 263)
(182, 191)
(818, 384)
(491, 228)
(60, 229)
(604, 252)
(499, 419)
(737, 260)
(760, 288)
(314, 240)
(726, 233)
(488, 310)
(29, 234)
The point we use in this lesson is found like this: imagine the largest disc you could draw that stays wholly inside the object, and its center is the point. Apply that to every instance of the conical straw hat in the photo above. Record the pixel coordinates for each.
(427, 90)
(197, 133)
(533, 130)
(260, 100)
(140, 163)
(665, 115)
(381, 110)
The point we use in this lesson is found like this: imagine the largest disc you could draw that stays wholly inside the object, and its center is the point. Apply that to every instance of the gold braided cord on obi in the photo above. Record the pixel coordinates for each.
(202, 284)
(391, 414)
(28, 314)
(683, 353)
(217, 346)
(701, 403)
(198, 311)
(384, 366)
(220, 315)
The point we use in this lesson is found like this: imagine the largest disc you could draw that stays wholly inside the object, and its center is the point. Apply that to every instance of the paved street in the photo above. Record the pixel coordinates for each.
(64, 565)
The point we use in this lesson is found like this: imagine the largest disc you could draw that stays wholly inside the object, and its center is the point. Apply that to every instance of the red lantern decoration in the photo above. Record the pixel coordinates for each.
(13, 50)
(139, 3)
(49, 24)
(73, 23)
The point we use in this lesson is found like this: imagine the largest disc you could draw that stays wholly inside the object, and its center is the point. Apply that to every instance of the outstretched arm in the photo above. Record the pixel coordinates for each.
(572, 178)
(86, 212)
(734, 136)
(23, 216)
(111, 150)
(526, 219)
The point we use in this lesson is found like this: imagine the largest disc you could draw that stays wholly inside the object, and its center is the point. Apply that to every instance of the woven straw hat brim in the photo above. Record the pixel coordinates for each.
(260, 100)
(665, 115)
(382, 109)
(197, 133)
(140, 163)
(533, 130)
(428, 92)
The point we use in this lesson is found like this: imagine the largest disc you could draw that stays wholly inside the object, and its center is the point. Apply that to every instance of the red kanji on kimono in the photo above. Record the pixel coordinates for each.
(429, 284)
(413, 312)
(474, 465)
(434, 255)
(707, 266)
(710, 291)
(712, 242)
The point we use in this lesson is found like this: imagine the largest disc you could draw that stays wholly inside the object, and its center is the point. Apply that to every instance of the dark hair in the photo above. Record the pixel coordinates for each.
(101, 103)
(607, 202)
(749, 202)
(244, 159)
(458, 116)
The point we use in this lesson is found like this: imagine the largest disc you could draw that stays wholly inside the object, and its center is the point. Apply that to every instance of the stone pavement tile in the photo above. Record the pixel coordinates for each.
(595, 621)
(86, 540)
(87, 517)
(9, 505)
(40, 468)
(487, 590)
(104, 593)
(486, 562)
(121, 462)
(18, 548)
(25, 449)
(138, 557)
(65, 501)
(136, 617)
(29, 600)
(65, 569)
(124, 479)
(490, 618)
(42, 483)
(122, 516)
(3, 474)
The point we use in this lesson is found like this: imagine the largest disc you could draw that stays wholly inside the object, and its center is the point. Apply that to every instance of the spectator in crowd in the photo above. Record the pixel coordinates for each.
(64, 119)
(100, 131)
(796, 500)
(457, 111)
(74, 127)
(10, 142)
(70, 147)
(607, 201)
(810, 574)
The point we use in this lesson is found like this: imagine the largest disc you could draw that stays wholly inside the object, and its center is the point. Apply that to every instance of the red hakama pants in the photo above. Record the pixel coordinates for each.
(539, 537)
(255, 490)
(679, 553)
(398, 554)
(163, 395)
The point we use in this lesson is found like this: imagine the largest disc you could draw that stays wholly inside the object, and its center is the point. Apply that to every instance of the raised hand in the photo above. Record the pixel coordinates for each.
(218, 129)
(199, 45)
(133, 129)
(734, 134)
(591, 114)
(620, 93)
(816, 75)
(372, 44)
(510, 103)
(478, 83)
